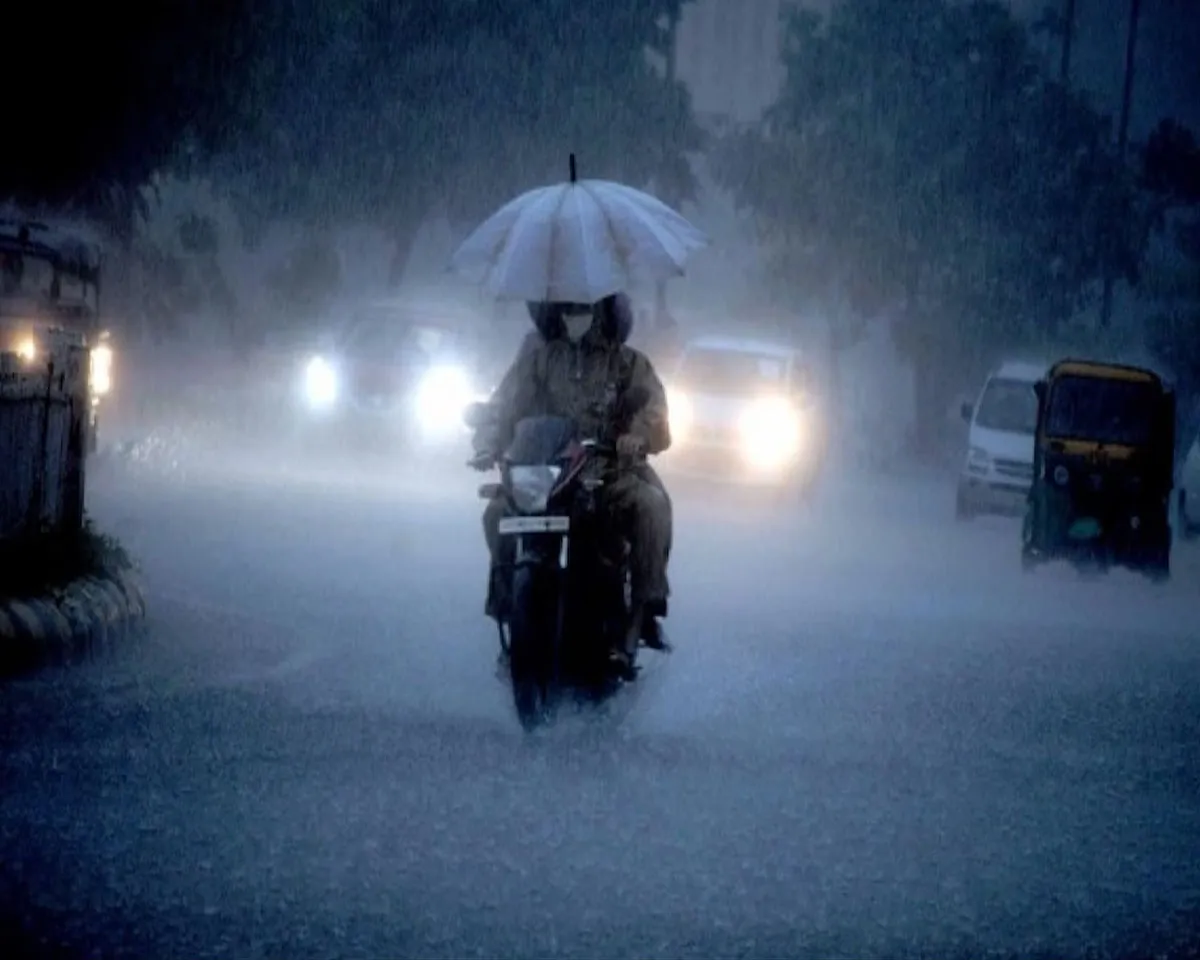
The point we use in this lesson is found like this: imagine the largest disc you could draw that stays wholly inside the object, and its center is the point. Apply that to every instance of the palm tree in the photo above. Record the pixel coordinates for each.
(1068, 34)
(1135, 12)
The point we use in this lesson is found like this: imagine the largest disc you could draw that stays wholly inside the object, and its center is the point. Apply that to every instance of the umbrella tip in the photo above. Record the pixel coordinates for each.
(572, 162)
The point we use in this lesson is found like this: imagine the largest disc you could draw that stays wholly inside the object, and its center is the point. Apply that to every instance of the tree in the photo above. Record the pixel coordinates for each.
(376, 111)
(362, 110)
(92, 115)
(1170, 162)
(919, 162)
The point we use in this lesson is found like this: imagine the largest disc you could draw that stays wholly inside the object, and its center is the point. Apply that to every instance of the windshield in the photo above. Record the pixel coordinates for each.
(732, 371)
(1107, 411)
(1008, 405)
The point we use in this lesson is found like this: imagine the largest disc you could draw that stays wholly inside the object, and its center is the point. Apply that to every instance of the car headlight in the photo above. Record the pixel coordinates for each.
(442, 398)
(978, 460)
(27, 349)
(100, 369)
(320, 383)
(679, 414)
(772, 432)
(531, 486)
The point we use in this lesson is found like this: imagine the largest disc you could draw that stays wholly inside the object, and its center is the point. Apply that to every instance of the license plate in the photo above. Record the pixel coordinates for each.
(511, 525)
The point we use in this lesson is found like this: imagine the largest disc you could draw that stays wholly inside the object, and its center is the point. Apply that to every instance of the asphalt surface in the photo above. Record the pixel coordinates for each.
(876, 737)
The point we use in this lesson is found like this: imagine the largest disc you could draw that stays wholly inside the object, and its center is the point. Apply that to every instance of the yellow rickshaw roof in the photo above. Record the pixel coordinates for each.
(1109, 371)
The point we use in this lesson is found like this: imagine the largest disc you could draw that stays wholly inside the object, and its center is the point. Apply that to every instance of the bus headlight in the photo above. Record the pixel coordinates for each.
(27, 349)
(100, 371)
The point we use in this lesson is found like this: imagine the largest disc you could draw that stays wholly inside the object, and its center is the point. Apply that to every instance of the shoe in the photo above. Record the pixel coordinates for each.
(653, 636)
(622, 666)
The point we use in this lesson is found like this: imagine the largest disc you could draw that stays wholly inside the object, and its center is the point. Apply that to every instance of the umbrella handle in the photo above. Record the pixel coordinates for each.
(571, 161)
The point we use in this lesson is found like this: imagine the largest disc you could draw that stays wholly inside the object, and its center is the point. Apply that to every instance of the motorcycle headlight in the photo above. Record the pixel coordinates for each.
(442, 398)
(680, 414)
(531, 486)
(320, 383)
(100, 369)
(772, 432)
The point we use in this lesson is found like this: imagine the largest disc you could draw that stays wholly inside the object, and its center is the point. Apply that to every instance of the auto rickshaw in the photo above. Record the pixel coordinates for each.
(1103, 469)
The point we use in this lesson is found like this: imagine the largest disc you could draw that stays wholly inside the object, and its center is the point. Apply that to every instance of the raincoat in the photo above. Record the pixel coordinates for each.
(591, 382)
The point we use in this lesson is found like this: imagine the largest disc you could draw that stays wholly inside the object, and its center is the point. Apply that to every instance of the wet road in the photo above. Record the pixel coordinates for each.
(876, 739)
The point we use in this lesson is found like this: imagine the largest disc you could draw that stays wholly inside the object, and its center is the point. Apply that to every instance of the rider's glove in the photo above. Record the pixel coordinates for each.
(482, 461)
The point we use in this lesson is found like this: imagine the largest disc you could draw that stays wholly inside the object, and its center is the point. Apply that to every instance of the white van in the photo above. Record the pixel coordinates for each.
(998, 471)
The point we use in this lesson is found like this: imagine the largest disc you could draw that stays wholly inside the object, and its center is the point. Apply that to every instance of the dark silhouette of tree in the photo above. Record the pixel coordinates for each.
(921, 162)
(358, 110)
(99, 96)
(377, 111)
(1171, 175)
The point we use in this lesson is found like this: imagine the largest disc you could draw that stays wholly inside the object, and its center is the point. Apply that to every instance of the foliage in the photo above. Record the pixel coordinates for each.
(1171, 164)
(1171, 175)
(309, 278)
(356, 111)
(50, 561)
(99, 96)
(920, 158)
(376, 112)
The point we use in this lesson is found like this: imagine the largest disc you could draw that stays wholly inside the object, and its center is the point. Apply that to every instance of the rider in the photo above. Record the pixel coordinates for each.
(583, 369)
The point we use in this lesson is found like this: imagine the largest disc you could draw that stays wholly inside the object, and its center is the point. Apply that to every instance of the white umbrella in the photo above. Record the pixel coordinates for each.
(576, 242)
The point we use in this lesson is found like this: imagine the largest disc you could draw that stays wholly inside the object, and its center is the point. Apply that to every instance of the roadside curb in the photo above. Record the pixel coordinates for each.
(86, 617)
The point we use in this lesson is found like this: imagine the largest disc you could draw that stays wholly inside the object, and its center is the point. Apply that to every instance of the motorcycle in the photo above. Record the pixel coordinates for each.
(561, 596)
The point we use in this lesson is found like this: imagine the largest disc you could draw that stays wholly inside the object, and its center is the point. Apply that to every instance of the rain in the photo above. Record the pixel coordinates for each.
(919, 284)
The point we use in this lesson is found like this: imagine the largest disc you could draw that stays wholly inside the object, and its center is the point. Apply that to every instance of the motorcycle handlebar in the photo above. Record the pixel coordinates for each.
(485, 461)
(600, 446)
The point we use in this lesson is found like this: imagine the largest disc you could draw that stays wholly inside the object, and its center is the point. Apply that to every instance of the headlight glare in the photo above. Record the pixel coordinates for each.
(442, 398)
(320, 383)
(100, 370)
(771, 432)
(680, 414)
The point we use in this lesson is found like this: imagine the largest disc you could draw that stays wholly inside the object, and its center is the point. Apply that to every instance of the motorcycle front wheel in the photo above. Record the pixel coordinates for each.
(532, 629)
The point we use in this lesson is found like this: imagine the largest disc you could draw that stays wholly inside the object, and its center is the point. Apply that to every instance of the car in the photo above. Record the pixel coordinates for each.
(1189, 494)
(744, 410)
(998, 470)
(395, 369)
